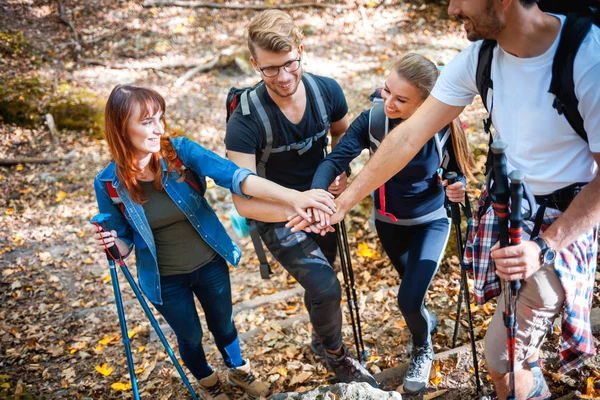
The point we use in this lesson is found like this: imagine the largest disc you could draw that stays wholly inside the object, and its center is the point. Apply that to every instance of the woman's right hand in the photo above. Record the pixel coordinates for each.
(105, 239)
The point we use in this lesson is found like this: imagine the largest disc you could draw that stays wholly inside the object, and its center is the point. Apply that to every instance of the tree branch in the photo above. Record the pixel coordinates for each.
(198, 4)
(67, 22)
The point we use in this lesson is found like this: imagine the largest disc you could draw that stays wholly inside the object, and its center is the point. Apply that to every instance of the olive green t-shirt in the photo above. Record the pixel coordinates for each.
(179, 247)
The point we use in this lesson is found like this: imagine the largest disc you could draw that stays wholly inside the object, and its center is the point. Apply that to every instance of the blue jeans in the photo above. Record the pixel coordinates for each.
(210, 284)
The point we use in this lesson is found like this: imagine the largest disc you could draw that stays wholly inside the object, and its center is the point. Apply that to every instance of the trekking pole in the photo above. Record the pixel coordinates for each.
(364, 353)
(349, 285)
(113, 255)
(500, 204)
(516, 220)
(464, 284)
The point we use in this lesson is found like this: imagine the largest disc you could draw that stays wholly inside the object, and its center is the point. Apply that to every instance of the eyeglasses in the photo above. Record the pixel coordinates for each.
(289, 66)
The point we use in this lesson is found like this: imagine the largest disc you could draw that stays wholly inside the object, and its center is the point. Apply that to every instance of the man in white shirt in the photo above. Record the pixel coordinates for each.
(543, 145)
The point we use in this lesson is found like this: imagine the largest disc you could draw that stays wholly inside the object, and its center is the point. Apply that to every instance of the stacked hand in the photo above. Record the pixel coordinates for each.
(320, 220)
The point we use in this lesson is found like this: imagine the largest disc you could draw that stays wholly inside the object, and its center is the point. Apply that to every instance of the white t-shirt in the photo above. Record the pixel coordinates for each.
(541, 143)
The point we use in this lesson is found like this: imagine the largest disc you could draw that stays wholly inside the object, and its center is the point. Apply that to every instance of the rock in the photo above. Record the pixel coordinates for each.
(340, 391)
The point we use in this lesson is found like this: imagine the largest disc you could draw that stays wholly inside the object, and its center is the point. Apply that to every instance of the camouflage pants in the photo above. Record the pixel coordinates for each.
(309, 259)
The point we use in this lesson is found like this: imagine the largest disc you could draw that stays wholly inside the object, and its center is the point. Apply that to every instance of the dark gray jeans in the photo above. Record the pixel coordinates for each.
(309, 259)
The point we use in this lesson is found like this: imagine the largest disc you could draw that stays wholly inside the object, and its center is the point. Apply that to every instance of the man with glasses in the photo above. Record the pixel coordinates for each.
(281, 133)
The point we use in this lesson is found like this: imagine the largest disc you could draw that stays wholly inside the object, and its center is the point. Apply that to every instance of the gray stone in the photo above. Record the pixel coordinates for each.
(339, 391)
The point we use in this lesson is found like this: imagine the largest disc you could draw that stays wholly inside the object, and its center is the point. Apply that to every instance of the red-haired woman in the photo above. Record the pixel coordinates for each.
(181, 247)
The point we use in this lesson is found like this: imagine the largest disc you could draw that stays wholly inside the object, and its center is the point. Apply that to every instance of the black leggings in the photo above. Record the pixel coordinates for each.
(415, 251)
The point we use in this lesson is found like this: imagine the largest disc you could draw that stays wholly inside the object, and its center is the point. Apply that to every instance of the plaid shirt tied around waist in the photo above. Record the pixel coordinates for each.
(575, 266)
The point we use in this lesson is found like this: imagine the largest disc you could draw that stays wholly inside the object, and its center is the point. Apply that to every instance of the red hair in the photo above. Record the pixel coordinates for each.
(119, 107)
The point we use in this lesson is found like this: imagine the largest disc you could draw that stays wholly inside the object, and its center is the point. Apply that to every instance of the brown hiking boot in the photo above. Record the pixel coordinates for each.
(245, 379)
(347, 369)
(212, 389)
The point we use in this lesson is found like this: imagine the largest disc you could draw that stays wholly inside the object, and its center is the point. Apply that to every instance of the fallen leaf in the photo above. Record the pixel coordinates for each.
(121, 387)
(104, 369)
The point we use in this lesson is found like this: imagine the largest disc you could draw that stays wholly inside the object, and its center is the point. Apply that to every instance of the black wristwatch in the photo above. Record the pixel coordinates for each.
(548, 253)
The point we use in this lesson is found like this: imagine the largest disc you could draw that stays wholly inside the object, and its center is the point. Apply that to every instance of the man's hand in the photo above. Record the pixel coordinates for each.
(317, 199)
(339, 184)
(517, 262)
(298, 223)
(455, 192)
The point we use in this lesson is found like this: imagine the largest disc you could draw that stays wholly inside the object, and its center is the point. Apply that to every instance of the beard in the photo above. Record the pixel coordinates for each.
(487, 25)
(285, 92)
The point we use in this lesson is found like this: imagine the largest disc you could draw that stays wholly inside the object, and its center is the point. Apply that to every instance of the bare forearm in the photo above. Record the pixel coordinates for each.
(396, 150)
(265, 189)
(262, 209)
(582, 215)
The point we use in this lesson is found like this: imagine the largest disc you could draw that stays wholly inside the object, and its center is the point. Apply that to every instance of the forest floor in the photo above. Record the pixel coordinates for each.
(59, 332)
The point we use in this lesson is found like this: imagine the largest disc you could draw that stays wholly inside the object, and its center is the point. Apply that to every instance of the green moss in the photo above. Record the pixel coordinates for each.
(13, 44)
(77, 109)
(23, 100)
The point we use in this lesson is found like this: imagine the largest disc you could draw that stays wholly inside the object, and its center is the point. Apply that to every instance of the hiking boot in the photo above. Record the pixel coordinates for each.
(417, 376)
(316, 346)
(347, 369)
(539, 388)
(433, 322)
(245, 379)
(212, 389)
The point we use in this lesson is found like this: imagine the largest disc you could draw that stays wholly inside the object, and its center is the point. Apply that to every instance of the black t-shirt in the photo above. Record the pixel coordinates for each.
(245, 134)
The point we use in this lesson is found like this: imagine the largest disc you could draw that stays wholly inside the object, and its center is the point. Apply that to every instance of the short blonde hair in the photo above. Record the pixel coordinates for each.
(273, 31)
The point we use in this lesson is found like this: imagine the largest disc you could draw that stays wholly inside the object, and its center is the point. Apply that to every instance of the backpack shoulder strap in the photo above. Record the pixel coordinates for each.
(266, 123)
(196, 183)
(483, 75)
(318, 98)
(562, 85)
(114, 196)
(441, 142)
(378, 125)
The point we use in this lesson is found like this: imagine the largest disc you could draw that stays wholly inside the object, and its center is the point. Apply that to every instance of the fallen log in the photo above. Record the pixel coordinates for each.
(28, 160)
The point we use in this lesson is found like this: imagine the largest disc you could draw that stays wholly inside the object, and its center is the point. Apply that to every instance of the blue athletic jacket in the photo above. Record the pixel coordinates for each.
(414, 195)
(132, 227)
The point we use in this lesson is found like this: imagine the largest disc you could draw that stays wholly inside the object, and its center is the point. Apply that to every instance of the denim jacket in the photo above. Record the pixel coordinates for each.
(133, 227)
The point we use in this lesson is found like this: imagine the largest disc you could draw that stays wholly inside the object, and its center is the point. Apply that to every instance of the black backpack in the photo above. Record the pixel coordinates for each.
(244, 98)
(581, 15)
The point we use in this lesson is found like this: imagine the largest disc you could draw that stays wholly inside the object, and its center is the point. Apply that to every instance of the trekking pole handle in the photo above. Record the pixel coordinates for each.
(454, 207)
(101, 220)
(516, 215)
(501, 190)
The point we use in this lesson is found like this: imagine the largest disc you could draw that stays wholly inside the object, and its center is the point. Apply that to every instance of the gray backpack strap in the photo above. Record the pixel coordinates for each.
(378, 125)
(264, 118)
(441, 141)
(244, 103)
(318, 99)
(265, 267)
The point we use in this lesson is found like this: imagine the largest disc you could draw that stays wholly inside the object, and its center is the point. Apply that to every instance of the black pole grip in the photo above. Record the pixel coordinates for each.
(454, 207)
(501, 190)
(516, 215)
(101, 220)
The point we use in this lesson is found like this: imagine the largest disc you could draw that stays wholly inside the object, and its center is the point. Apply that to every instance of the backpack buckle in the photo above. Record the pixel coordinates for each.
(558, 105)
